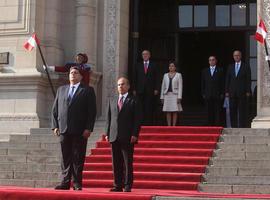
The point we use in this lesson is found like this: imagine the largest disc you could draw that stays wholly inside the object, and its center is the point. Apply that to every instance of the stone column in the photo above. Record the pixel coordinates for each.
(86, 29)
(51, 40)
(262, 120)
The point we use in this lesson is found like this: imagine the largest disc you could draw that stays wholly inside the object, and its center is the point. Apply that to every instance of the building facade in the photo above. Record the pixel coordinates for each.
(112, 33)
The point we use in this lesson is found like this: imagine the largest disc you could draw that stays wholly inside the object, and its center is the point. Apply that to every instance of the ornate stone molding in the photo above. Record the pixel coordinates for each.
(265, 96)
(110, 47)
(18, 19)
(19, 117)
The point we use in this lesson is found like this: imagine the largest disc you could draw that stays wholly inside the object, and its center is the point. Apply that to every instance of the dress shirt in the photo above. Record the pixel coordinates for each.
(124, 97)
(237, 67)
(70, 89)
(212, 70)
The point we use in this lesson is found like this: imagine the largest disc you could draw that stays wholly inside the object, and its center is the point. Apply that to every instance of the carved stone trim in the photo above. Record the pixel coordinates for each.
(18, 117)
(265, 74)
(110, 47)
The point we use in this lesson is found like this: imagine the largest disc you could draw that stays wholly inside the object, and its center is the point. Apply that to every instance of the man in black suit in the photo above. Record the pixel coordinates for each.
(213, 91)
(238, 89)
(146, 86)
(122, 131)
(73, 118)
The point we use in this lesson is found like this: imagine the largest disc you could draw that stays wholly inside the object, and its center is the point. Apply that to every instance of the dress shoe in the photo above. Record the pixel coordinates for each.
(116, 189)
(62, 187)
(127, 189)
(77, 188)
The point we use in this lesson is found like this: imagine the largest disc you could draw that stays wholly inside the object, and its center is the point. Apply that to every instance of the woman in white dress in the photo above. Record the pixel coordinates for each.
(171, 94)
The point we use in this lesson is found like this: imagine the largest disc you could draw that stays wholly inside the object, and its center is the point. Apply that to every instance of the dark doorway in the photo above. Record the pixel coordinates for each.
(194, 50)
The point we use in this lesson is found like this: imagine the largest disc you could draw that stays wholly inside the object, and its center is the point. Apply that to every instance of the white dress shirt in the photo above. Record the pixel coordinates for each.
(124, 97)
(75, 88)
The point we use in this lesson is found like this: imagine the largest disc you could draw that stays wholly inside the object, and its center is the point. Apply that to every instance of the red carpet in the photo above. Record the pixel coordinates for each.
(168, 162)
(165, 158)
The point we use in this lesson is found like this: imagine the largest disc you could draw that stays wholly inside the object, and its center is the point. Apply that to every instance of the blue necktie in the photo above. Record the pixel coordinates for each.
(236, 69)
(71, 93)
(212, 71)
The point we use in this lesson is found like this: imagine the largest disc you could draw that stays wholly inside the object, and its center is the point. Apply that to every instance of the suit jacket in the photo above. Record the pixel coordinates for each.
(123, 124)
(212, 86)
(177, 85)
(239, 85)
(146, 82)
(77, 115)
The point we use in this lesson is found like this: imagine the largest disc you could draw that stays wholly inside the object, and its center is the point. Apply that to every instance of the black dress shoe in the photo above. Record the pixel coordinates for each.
(116, 189)
(62, 187)
(127, 189)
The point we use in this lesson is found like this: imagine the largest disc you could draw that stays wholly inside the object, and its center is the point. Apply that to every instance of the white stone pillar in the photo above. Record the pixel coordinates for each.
(262, 120)
(86, 29)
(52, 32)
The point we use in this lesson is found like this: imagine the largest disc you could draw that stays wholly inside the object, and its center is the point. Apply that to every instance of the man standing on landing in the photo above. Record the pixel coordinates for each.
(146, 86)
(238, 89)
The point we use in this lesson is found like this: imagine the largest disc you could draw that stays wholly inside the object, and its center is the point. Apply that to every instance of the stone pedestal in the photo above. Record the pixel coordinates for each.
(25, 101)
(262, 120)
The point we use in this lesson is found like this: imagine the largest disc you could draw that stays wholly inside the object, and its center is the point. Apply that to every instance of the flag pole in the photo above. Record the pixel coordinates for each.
(46, 70)
(266, 52)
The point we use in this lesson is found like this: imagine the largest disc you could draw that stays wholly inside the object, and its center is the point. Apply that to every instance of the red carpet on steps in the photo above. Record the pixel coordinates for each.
(167, 162)
(172, 158)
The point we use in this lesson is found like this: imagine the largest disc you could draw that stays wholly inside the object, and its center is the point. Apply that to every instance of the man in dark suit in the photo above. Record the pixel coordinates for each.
(73, 118)
(122, 131)
(146, 86)
(213, 91)
(238, 89)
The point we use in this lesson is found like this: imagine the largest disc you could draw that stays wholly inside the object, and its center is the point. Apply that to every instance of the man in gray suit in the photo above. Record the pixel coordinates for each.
(122, 131)
(73, 118)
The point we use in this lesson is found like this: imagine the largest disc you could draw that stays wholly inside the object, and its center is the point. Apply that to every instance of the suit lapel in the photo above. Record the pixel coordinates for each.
(66, 90)
(114, 104)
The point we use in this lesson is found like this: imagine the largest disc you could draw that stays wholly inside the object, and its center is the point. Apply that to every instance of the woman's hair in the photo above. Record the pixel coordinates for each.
(174, 63)
(85, 57)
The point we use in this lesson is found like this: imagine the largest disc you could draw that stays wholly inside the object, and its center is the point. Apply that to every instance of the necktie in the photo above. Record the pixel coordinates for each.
(236, 69)
(71, 93)
(145, 67)
(120, 103)
(212, 71)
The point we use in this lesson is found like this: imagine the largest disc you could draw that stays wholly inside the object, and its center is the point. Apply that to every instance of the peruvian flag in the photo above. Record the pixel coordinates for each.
(261, 32)
(31, 43)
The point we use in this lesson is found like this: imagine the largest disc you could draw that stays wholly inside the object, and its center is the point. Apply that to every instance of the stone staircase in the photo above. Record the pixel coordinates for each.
(241, 163)
(34, 160)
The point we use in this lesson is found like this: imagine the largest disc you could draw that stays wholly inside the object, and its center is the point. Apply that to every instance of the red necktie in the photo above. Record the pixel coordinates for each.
(120, 103)
(145, 67)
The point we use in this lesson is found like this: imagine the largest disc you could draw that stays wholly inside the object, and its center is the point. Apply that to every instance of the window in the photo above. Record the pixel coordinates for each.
(239, 14)
(200, 16)
(222, 15)
(216, 13)
(185, 16)
(193, 15)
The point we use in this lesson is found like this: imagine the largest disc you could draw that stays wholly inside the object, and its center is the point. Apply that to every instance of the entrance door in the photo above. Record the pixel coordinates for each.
(194, 50)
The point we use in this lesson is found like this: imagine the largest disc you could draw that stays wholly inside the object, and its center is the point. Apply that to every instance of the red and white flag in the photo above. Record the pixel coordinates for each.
(261, 32)
(31, 43)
